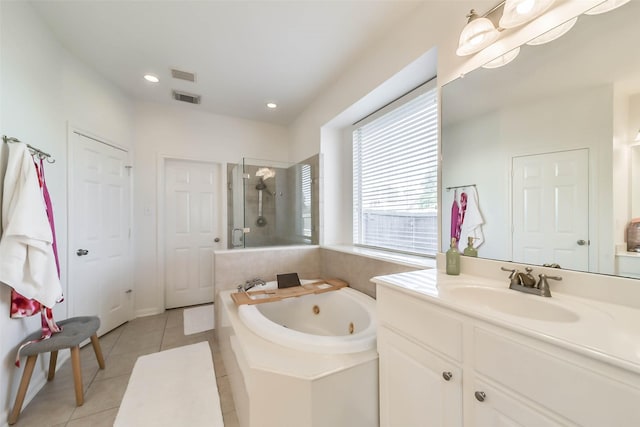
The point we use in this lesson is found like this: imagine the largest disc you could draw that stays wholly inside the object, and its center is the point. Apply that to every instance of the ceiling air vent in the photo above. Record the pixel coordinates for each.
(183, 75)
(186, 97)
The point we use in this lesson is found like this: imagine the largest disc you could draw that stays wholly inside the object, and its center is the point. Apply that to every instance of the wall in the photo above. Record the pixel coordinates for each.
(184, 132)
(43, 88)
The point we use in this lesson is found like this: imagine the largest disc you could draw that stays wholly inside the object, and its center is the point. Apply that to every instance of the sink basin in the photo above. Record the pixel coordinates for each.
(512, 302)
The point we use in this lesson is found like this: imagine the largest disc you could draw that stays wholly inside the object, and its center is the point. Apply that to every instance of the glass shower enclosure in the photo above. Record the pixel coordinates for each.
(272, 203)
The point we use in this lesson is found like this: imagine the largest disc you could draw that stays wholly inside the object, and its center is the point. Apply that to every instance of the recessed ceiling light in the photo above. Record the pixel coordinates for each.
(151, 78)
(272, 105)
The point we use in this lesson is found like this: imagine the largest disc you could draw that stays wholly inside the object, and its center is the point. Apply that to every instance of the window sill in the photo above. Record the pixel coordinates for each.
(414, 261)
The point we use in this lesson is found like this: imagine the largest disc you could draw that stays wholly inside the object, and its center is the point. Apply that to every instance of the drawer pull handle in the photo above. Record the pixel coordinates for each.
(480, 396)
(447, 375)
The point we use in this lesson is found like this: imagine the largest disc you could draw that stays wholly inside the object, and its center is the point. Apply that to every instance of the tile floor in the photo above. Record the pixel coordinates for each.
(54, 405)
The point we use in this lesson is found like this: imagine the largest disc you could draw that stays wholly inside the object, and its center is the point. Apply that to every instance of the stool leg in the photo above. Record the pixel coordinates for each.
(22, 390)
(77, 375)
(95, 342)
(53, 359)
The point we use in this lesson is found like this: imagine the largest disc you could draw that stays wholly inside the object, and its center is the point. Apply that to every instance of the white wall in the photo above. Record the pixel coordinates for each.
(186, 133)
(42, 88)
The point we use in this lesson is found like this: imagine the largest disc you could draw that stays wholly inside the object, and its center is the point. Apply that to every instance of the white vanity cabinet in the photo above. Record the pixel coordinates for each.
(420, 374)
(500, 377)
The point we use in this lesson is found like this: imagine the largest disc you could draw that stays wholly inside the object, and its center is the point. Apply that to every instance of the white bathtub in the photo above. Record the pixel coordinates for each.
(280, 378)
(342, 321)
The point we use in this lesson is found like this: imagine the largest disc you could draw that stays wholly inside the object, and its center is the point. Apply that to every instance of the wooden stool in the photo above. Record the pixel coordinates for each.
(74, 331)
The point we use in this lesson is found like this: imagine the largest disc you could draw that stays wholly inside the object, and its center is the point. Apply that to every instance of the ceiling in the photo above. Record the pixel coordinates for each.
(244, 53)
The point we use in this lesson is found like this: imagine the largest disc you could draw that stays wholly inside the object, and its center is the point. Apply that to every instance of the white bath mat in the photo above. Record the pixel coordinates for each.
(171, 388)
(198, 319)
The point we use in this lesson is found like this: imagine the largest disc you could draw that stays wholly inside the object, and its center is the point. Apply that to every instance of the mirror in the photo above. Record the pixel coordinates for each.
(548, 141)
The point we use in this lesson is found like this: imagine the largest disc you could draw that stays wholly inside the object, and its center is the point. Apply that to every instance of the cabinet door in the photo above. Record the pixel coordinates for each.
(413, 388)
(496, 408)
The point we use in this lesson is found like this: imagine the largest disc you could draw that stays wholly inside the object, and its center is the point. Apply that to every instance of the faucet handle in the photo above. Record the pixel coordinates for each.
(512, 271)
(543, 285)
(514, 276)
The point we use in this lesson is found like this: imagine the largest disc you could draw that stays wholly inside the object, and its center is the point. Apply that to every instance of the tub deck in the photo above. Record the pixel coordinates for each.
(271, 295)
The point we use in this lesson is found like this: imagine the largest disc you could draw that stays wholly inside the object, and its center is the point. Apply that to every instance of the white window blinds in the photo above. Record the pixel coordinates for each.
(395, 159)
(305, 184)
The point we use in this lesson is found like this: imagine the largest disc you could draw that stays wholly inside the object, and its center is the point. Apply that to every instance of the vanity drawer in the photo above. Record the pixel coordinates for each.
(570, 386)
(421, 321)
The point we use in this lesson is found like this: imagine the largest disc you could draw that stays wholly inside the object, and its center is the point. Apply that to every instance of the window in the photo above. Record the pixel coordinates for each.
(395, 175)
(305, 199)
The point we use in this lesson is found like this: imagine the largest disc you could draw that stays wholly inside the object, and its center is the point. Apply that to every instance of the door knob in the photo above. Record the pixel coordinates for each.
(217, 239)
(128, 291)
(582, 242)
(447, 375)
(81, 252)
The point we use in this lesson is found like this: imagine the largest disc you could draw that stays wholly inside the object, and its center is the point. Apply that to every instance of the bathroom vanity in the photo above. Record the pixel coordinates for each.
(467, 351)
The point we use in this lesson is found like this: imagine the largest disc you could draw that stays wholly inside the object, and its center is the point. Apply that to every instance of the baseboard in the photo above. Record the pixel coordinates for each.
(148, 312)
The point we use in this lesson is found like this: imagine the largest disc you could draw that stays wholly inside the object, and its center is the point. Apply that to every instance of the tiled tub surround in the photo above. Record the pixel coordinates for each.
(236, 266)
(277, 386)
(534, 365)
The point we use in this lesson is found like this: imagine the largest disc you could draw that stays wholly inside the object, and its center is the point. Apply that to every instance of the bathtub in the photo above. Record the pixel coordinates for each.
(342, 321)
(290, 366)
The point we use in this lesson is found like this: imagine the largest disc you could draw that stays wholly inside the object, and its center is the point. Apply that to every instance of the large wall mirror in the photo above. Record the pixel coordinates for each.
(548, 142)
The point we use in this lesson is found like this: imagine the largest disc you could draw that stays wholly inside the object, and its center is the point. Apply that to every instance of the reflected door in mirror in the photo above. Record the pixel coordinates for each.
(550, 209)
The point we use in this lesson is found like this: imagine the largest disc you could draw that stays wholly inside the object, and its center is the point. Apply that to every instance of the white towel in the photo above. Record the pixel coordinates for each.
(4, 154)
(472, 224)
(27, 262)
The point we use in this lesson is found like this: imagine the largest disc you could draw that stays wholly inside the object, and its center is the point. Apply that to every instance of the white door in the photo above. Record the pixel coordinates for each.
(551, 209)
(191, 199)
(99, 232)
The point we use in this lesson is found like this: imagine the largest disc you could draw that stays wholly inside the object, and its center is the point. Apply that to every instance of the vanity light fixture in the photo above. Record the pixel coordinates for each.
(554, 33)
(151, 78)
(607, 6)
(518, 12)
(503, 60)
(476, 35)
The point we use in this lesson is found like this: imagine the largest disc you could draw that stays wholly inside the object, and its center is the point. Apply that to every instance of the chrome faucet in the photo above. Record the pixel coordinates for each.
(250, 284)
(525, 282)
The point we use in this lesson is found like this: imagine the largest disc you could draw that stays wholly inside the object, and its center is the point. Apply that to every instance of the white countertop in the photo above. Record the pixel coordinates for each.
(604, 331)
(628, 254)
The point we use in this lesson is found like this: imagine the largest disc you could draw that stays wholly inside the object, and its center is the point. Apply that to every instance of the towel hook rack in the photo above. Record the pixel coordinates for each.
(460, 186)
(34, 151)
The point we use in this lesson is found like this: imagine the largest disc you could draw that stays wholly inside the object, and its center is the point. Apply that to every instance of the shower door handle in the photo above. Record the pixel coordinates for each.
(233, 237)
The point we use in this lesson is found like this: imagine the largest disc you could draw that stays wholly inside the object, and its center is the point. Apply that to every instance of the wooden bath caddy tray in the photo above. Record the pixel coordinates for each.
(270, 295)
